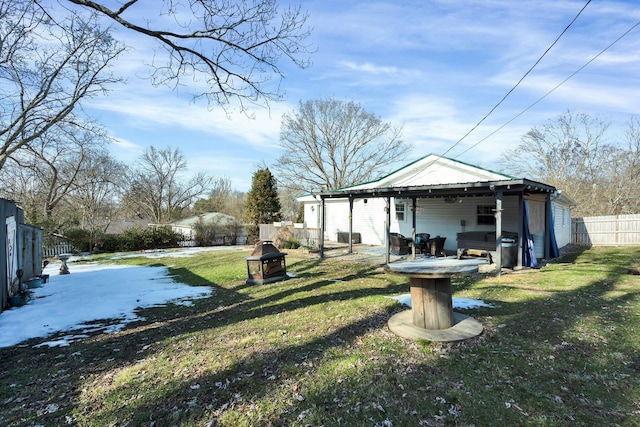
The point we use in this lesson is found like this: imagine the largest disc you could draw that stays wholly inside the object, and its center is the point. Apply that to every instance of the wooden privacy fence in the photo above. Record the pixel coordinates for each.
(613, 230)
(308, 237)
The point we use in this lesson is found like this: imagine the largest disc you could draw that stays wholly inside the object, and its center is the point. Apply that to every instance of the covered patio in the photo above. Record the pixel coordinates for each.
(496, 190)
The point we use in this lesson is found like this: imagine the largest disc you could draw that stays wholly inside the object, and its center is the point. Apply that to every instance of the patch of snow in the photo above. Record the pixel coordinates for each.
(93, 292)
(459, 303)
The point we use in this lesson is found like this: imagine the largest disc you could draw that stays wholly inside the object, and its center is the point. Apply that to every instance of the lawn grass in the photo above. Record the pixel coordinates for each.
(560, 347)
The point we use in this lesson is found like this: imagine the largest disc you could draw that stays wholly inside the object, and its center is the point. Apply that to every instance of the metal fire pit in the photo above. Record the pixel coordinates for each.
(266, 264)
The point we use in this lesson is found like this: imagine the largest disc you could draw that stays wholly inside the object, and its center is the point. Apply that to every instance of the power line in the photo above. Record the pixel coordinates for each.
(519, 81)
(633, 27)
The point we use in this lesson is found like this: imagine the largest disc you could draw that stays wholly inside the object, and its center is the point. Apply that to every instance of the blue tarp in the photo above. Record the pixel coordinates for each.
(553, 244)
(528, 251)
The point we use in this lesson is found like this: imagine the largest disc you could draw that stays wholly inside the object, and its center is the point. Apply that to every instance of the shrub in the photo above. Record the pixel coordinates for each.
(206, 233)
(137, 239)
(285, 239)
(81, 239)
(292, 244)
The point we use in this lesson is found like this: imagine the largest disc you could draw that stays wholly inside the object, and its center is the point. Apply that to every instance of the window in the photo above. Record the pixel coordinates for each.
(400, 211)
(485, 215)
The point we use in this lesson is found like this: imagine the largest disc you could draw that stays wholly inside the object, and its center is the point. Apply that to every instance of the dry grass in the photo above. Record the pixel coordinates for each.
(560, 347)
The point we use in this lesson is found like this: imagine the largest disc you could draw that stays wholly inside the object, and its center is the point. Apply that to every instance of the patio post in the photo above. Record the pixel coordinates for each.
(387, 225)
(499, 232)
(350, 223)
(520, 229)
(413, 234)
(322, 220)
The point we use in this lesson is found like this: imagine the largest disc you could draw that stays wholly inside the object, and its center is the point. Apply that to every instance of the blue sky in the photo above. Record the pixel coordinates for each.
(435, 67)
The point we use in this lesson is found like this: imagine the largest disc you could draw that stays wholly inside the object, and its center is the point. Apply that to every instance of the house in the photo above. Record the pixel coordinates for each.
(120, 226)
(447, 198)
(224, 229)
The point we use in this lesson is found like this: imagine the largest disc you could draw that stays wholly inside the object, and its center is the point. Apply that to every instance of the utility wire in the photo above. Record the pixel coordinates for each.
(554, 88)
(519, 81)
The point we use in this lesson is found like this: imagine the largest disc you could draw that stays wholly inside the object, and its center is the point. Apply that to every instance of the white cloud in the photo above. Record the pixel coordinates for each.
(435, 66)
(151, 113)
(126, 146)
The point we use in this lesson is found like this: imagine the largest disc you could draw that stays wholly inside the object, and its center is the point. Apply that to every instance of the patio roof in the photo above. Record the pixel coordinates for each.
(467, 189)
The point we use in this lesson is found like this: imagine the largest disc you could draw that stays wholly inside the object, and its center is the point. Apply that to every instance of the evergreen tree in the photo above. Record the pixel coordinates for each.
(262, 205)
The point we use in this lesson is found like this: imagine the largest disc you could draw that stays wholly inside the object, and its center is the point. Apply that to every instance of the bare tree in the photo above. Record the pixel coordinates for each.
(233, 46)
(222, 198)
(623, 196)
(571, 152)
(330, 144)
(568, 148)
(290, 207)
(97, 191)
(236, 203)
(65, 181)
(52, 164)
(218, 199)
(157, 188)
(47, 67)
(55, 55)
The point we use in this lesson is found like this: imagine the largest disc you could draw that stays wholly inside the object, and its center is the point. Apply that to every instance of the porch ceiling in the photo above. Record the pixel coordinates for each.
(469, 189)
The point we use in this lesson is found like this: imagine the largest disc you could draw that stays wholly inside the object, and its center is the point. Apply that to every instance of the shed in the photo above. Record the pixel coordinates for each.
(21, 252)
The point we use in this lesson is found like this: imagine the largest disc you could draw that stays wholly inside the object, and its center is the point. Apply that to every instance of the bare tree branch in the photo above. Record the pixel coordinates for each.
(46, 70)
(157, 187)
(234, 47)
(331, 144)
(572, 152)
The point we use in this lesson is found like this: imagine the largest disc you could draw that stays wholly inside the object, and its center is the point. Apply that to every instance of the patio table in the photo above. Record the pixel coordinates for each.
(431, 316)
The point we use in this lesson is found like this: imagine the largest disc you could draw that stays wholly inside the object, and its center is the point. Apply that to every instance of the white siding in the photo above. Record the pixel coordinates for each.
(432, 169)
(312, 214)
(369, 220)
(446, 174)
(439, 218)
(337, 219)
(562, 224)
(433, 216)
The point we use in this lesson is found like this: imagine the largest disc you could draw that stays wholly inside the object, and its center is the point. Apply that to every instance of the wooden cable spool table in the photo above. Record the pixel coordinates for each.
(431, 316)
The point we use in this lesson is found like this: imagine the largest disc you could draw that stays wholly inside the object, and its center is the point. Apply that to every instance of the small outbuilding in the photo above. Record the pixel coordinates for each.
(20, 252)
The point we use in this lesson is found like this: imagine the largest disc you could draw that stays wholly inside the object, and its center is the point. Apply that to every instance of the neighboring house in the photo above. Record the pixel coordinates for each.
(119, 226)
(228, 229)
(444, 197)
